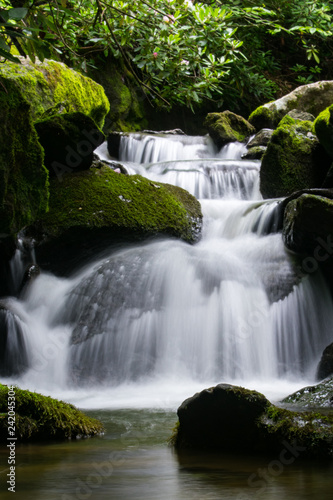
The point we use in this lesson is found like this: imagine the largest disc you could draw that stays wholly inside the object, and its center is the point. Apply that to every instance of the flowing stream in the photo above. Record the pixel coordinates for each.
(141, 328)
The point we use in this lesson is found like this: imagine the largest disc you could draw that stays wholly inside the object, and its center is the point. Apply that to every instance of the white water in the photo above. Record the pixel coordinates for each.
(149, 325)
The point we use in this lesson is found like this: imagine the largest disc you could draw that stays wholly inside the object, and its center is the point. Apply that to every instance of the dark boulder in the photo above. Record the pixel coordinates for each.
(69, 141)
(307, 230)
(325, 367)
(233, 419)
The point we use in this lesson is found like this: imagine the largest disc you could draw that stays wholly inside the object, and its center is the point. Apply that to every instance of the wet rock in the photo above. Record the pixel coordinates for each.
(294, 160)
(325, 367)
(227, 127)
(69, 141)
(313, 396)
(233, 419)
(254, 153)
(92, 209)
(262, 138)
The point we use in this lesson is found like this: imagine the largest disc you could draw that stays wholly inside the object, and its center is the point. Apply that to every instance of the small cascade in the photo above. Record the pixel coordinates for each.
(146, 148)
(14, 358)
(23, 258)
(231, 308)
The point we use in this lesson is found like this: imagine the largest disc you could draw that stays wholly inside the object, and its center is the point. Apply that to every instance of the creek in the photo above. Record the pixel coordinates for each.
(133, 333)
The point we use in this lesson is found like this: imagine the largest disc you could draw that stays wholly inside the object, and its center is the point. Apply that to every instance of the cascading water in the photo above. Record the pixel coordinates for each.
(150, 323)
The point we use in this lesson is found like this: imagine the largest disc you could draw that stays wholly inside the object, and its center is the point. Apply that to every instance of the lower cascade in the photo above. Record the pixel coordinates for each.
(150, 321)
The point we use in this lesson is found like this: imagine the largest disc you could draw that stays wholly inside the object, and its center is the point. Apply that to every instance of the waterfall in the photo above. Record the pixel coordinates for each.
(231, 308)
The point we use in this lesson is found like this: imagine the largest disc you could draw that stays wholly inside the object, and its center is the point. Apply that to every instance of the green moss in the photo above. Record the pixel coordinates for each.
(293, 160)
(226, 127)
(262, 117)
(51, 83)
(312, 430)
(101, 198)
(23, 177)
(323, 126)
(126, 112)
(41, 417)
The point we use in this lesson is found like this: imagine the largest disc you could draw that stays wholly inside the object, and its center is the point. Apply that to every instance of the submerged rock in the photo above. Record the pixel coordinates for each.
(311, 98)
(227, 127)
(97, 207)
(325, 367)
(294, 160)
(230, 418)
(40, 417)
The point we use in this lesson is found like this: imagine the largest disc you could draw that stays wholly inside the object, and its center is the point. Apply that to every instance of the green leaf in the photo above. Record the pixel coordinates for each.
(17, 14)
(9, 56)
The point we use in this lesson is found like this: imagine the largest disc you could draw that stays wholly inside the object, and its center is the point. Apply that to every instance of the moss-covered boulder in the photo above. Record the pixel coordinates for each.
(230, 418)
(102, 206)
(325, 366)
(27, 93)
(313, 396)
(312, 98)
(294, 160)
(51, 85)
(227, 127)
(323, 126)
(40, 417)
(307, 230)
(69, 141)
(125, 96)
(23, 177)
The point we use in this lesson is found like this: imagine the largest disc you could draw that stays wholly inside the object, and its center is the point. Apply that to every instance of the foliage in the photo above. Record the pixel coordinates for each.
(179, 51)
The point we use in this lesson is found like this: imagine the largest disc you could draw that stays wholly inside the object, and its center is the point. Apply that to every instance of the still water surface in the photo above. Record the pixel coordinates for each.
(134, 461)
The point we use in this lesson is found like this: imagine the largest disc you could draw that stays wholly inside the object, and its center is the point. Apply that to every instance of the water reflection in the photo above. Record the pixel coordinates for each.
(133, 461)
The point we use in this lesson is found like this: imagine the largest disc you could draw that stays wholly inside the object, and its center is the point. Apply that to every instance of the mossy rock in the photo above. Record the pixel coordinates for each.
(227, 127)
(40, 417)
(23, 177)
(52, 86)
(69, 141)
(307, 231)
(313, 396)
(228, 418)
(323, 126)
(101, 205)
(294, 160)
(312, 98)
(126, 98)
